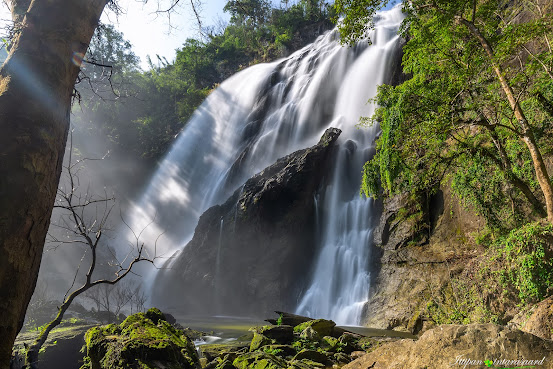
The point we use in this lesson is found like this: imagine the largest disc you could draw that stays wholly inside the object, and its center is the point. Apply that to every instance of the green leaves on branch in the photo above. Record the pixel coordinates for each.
(451, 120)
(357, 17)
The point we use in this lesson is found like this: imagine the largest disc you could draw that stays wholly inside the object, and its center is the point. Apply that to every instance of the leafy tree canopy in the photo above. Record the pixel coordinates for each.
(453, 118)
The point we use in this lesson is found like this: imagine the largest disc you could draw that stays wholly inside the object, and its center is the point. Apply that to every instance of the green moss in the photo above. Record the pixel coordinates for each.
(139, 343)
(259, 360)
(322, 326)
(258, 341)
(155, 315)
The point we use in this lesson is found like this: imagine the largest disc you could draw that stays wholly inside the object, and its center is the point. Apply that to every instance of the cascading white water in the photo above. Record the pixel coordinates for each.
(340, 283)
(266, 112)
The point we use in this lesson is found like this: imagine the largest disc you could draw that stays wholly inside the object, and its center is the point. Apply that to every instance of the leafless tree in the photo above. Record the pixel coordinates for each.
(84, 220)
(139, 300)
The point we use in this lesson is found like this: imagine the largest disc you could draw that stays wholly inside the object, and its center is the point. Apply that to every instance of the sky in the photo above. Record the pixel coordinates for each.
(155, 34)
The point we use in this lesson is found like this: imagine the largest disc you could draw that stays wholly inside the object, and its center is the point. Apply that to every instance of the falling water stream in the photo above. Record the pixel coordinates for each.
(268, 111)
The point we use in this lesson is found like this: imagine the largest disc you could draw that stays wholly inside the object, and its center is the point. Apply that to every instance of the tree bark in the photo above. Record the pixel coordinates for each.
(36, 85)
(527, 132)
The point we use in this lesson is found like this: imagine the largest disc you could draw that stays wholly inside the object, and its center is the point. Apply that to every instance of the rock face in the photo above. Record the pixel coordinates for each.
(461, 346)
(418, 248)
(540, 322)
(250, 255)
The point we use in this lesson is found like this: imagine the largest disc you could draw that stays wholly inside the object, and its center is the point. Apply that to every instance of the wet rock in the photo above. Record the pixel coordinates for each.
(348, 343)
(342, 358)
(310, 334)
(248, 256)
(330, 343)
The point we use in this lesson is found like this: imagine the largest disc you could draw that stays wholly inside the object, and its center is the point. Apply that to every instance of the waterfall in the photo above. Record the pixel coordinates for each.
(262, 114)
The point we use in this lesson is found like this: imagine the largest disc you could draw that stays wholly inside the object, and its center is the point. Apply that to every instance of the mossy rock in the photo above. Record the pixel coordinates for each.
(219, 350)
(155, 315)
(310, 334)
(342, 358)
(316, 356)
(258, 341)
(138, 342)
(349, 343)
(259, 360)
(225, 364)
(281, 334)
(280, 350)
(304, 364)
(323, 327)
(330, 343)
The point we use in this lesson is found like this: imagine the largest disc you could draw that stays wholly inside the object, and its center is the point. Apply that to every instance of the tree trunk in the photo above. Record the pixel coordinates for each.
(528, 134)
(36, 85)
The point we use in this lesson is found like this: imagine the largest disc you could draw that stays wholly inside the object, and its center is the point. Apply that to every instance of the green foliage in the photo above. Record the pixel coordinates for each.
(514, 273)
(279, 320)
(272, 351)
(304, 344)
(450, 121)
(357, 17)
(527, 256)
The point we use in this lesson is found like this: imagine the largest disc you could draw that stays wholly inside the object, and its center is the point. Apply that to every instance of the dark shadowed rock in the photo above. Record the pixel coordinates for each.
(251, 254)
(420, 244)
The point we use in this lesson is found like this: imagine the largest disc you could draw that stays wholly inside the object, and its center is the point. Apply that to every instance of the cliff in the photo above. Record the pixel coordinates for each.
(251, 254)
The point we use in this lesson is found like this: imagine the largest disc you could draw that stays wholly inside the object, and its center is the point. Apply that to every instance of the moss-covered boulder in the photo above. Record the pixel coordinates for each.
(281, 334)
(323, 327)
(258, 341)
(219, 350)
(349, 343)
(145, 341)
(305, 364)
(259, 360)
(284, 351)
(316, 356)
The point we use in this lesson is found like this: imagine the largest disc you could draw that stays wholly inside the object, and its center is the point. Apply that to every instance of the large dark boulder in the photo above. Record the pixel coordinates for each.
(253, 253)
